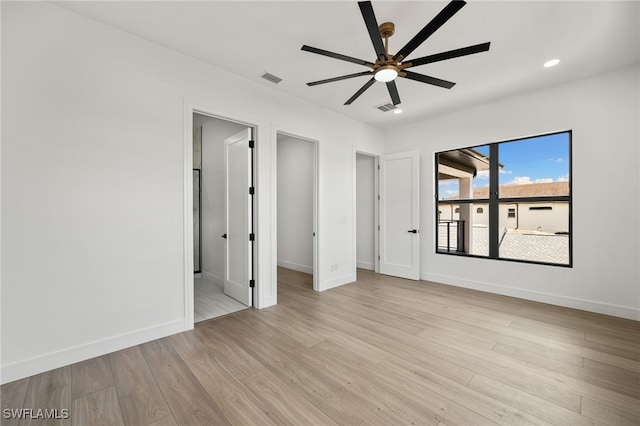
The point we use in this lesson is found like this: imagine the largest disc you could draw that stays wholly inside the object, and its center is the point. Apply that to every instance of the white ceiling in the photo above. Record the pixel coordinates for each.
(250, 38)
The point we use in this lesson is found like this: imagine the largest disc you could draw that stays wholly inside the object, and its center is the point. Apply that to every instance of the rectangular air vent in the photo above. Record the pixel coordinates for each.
(386, 107)
(272, 78)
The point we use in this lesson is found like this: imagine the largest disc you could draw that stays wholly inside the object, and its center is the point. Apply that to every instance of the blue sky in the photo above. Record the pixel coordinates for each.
(534, 160)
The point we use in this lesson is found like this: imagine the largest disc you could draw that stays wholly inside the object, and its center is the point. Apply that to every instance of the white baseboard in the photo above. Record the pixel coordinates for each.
(295, 266)
(39, 364)
(552, 299)
(365, 265)
(213, 278)
(337, 282)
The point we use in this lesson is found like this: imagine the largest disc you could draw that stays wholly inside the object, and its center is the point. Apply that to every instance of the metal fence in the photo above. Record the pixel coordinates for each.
(451, 235)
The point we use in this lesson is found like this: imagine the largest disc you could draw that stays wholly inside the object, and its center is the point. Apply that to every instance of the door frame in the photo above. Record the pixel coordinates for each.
(376, 212)
(189, 110)
(316, 204)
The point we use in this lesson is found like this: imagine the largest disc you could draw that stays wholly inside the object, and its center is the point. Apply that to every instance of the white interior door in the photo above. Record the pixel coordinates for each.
(399, 215)
(238, 260)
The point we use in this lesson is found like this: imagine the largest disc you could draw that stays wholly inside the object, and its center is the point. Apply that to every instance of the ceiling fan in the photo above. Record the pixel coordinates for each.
(386, 66)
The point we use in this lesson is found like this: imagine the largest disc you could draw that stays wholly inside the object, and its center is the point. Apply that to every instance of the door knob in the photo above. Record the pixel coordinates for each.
(413, 231)
(224, 236)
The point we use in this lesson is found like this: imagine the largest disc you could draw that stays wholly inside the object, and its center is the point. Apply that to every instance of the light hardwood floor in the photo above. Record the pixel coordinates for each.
(211, 302)
(381, 351)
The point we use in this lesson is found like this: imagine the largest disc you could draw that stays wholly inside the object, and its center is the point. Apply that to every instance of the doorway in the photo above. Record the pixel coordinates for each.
(366, 211)
(297, 221)
(223, 216)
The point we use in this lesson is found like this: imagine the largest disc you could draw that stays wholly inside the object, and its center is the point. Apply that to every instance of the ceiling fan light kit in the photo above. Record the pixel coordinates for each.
(386, 68)
(386, 73)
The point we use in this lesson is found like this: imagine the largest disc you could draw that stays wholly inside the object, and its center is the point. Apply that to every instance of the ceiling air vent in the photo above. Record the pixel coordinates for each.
(272, 78)
(386, 107)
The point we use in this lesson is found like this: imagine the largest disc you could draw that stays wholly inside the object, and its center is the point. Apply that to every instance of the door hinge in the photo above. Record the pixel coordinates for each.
(378, 227)
(378, 197)
(252, 190)
(252, 283)
(378, 166)
(378, 257)
(252, 236)
(252, 144)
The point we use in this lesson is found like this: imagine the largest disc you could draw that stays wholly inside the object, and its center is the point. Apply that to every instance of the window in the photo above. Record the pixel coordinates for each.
(524, 184)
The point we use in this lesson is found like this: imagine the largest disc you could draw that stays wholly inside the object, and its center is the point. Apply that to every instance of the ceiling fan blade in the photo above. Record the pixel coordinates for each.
(429, 80)
(445, 14)
(372, 25)
(335, 55)
(393, 92)
(342, 77)
(456, 53)
(361, 91)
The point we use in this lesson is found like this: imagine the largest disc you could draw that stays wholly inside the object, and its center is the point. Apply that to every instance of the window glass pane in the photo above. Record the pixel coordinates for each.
(534, 167)
(529, 215)
(537, 232)
(463, 229)
(464, 173)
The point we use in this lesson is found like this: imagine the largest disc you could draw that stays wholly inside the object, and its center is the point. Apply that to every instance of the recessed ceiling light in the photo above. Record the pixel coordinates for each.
(397, 111)
(551, 63)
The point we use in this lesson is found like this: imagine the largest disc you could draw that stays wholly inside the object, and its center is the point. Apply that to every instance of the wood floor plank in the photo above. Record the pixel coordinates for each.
(236, 401)
(189, 401)
(287, 405)
(12, 398)
(140, 397)
(296, 330)
(327, 332)
(90, 376)
(627, 381)
(579, 348)
(165, 421)
(391, 346)
(235, 358)
(456, 399)
(49, 391)
(403, 399)
(364, 393)
(349, 409)
(490, 360)
(529, 403)
(608, 415)
(613, 346)
(99, 408)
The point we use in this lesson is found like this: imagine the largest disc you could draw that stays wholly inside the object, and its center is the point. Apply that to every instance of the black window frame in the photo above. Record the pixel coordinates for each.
(494, 202)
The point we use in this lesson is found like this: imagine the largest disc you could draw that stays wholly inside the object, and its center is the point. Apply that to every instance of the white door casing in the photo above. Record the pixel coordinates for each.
(238, 256)
(399, 215)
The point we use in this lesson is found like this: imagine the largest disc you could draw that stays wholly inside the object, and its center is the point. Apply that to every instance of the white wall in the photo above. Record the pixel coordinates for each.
(603, 113)
(365, 211)
(93, 192)
(214, 132)
(295, 203)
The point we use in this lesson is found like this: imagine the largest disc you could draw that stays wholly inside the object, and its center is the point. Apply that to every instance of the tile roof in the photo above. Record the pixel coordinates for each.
(526, 190)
